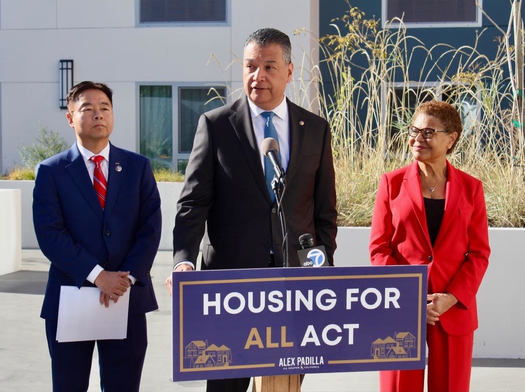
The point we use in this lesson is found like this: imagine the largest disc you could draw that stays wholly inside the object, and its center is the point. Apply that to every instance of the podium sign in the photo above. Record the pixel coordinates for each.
(257, 322)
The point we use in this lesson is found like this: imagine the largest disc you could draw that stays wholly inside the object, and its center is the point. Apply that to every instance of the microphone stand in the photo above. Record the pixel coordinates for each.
(278, 186)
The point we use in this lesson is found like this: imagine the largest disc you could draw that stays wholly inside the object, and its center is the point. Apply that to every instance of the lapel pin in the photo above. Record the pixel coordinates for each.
(301, 123)
(118, 168)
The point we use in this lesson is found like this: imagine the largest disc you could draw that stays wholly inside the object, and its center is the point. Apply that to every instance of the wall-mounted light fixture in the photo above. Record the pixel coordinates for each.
(65, 69)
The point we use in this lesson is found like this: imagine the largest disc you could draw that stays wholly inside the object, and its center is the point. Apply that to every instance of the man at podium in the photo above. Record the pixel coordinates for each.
(227, 187)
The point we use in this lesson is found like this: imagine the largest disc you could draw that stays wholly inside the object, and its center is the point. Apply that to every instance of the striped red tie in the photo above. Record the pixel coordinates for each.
(99, 181)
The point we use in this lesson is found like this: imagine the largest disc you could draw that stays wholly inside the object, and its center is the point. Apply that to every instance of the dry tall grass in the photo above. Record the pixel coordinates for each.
(366, 65)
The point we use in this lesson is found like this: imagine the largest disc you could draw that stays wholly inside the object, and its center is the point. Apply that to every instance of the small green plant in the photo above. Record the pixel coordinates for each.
(47, 144)
(21, 173)
(167, 175)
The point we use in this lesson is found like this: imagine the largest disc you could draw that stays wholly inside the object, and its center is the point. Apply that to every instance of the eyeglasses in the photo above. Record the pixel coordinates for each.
(427, 133)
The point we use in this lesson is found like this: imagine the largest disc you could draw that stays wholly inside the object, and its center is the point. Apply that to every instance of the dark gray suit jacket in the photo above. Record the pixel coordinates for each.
(225, 191)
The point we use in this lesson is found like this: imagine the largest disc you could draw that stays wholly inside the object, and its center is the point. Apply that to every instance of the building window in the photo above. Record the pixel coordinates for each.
(406, 99)
(433, 13)
(156, 124)
(162, 106)
(180, 11)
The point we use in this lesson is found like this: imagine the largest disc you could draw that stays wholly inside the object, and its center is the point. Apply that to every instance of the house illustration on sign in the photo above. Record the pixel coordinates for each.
(402, 345)
(197, 354)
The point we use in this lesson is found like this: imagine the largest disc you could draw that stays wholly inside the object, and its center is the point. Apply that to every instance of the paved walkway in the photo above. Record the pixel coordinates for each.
(25, 365)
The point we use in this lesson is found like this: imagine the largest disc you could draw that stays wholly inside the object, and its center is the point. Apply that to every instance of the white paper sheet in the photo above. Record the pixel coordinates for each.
(82, 317)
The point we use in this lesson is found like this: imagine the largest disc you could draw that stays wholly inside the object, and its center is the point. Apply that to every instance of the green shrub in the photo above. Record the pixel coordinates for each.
(168, 175)
(21, 173)
(48, 143)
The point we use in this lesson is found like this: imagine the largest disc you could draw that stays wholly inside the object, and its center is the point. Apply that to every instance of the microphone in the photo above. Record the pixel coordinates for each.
(310, 255)
(270, 149)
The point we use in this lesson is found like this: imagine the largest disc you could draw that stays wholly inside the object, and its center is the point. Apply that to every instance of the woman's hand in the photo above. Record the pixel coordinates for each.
(437, 304)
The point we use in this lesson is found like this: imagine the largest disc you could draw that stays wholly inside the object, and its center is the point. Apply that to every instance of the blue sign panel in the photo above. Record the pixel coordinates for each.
(257, 322)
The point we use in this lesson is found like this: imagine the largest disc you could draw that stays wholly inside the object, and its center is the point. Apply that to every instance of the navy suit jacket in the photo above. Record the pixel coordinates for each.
(76, 234)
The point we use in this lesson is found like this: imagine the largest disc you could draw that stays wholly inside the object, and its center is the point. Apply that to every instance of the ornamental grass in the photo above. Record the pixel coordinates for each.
(368, 94)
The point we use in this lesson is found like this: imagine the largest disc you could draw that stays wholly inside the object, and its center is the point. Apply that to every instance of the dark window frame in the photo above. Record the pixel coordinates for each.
(149, 23)
(178, 159)
(388, 24)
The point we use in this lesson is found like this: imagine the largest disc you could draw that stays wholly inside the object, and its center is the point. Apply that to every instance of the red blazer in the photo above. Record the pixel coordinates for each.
(459, 257)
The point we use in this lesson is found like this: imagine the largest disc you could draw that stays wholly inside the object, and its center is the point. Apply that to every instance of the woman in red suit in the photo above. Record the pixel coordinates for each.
(432, 213)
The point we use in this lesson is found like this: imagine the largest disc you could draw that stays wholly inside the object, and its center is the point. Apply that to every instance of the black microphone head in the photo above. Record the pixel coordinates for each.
(306, 240)
(269, 144)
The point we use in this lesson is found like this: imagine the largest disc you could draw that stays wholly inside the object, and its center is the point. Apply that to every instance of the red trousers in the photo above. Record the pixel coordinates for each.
(449, 364)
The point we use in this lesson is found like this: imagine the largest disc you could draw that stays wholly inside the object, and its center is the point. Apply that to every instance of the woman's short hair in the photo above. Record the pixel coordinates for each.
(444, 112)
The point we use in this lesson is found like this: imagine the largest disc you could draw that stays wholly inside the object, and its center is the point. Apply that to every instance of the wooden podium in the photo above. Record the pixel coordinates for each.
(282, 383)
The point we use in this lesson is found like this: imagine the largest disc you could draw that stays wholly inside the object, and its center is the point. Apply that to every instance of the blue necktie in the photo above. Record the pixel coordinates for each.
(269, 131)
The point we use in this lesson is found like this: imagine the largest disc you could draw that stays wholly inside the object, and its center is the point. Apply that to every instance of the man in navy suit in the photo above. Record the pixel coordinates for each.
(105, 238)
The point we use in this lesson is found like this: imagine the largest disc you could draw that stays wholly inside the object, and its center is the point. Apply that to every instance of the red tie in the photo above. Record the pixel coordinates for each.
(99, 181)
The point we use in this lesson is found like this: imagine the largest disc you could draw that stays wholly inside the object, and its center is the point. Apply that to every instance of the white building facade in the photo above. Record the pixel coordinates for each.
(160, 59)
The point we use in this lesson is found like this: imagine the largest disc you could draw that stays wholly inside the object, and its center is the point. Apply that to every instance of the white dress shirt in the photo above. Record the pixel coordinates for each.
(281, 124)
(90, 165)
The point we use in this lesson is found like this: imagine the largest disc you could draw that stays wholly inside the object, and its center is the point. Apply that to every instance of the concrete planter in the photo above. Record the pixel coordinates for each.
(169, 192)
(500, 307)
(169, 195)
(501, 310)
(10, 231)
(26, 191)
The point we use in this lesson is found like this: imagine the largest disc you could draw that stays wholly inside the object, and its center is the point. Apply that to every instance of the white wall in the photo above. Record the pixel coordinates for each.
(106, 45)
(501, 309)
(28, 240)
(169, 192)
(10, 231)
